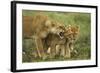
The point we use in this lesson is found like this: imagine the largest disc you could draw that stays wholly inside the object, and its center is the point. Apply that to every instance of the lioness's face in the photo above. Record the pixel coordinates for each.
(55, 28)
(58, 29)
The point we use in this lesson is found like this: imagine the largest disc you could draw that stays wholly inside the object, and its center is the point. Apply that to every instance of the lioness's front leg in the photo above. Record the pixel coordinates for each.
(39, 47)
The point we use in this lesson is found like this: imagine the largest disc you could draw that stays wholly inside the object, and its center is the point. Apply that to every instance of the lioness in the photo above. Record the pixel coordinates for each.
(39, 26)
(63, 46)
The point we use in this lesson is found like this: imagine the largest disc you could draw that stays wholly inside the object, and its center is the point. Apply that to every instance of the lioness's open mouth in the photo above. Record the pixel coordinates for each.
(61, 35)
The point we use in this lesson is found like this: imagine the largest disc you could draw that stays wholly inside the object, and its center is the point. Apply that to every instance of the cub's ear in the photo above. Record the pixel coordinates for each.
(69, 26)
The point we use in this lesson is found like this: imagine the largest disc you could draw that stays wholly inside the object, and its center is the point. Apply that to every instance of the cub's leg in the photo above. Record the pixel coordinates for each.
(71, 46)
(62, 50)
(67, 51)
(49, 50)
(52, 51)
(58, 49)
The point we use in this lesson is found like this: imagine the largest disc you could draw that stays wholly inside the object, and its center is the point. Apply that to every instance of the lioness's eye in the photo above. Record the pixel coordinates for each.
(53, 25)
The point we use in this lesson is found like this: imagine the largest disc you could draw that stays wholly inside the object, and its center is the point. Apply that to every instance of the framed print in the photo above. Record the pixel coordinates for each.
(47, 36)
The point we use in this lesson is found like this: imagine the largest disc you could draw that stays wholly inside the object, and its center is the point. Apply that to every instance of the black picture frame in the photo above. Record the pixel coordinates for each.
(14, 37)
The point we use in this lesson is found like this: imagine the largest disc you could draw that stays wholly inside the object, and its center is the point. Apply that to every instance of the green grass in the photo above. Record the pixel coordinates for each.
(82, 45)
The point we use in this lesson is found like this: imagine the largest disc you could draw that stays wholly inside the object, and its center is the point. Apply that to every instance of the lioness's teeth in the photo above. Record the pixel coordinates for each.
(61, 37)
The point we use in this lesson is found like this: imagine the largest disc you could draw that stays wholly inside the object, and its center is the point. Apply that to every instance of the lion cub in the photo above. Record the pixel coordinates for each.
(64, 46)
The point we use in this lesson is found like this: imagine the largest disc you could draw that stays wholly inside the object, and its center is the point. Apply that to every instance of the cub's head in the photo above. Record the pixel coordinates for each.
(56, 28)
(72, 32)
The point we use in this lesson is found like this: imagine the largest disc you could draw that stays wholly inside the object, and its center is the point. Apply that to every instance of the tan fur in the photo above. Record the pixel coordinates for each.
(72, 32)
(40, 26)
(65, 45)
